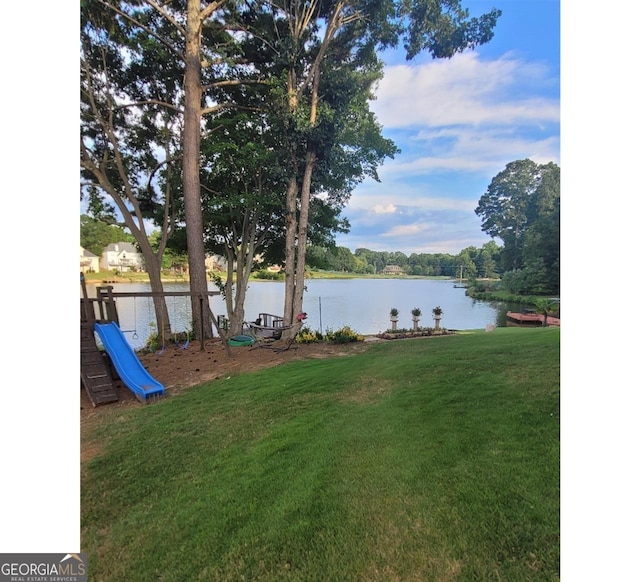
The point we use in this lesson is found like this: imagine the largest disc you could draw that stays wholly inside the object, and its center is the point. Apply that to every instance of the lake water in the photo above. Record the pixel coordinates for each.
(363, 304)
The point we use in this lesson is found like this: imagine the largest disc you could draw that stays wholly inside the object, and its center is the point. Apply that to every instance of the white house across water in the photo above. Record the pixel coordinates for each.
(122, 257)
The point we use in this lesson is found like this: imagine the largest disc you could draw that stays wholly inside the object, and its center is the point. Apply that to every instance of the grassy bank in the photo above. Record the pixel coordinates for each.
(505, 296)
(428, 459)
(144, 277)
(129, 277)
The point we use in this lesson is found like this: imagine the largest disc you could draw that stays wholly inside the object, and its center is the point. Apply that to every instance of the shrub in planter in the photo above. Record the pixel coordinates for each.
(393, 315)
(416, 313)
(437, 314)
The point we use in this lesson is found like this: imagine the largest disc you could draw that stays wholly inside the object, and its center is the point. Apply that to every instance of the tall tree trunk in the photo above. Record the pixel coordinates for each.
(296, 234)
(303, 229)
(235, 308)
(191, 166)
(291, 224)
(244, 263)
(152, 260)
(159, 303)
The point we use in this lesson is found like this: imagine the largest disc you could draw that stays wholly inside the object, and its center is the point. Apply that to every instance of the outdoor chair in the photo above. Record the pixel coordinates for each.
(269, 328)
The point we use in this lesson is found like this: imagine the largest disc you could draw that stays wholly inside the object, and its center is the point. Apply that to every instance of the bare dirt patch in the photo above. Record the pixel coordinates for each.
(178, 369)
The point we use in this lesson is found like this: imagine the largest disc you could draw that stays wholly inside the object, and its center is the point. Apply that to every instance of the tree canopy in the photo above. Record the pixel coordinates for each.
(522, 208)
(95, 234)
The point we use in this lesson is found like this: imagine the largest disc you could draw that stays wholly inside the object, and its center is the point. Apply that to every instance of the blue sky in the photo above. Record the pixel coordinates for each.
(459, 122)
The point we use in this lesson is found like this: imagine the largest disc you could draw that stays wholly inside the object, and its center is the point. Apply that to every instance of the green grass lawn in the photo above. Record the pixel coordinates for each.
(428, 459)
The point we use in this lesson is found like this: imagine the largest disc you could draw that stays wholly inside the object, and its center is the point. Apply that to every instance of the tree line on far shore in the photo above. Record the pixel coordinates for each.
(470, 263)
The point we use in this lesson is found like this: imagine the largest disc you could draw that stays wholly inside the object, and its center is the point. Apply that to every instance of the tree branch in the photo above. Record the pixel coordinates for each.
(216, 108)
(210, 9)
(336, 21)
(232, 83)
(99, 171)
(149, 102)
(209, 190)
(148, 30)
(160, 9)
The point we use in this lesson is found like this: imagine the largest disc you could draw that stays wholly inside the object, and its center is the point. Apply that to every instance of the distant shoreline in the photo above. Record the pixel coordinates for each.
(105, 279)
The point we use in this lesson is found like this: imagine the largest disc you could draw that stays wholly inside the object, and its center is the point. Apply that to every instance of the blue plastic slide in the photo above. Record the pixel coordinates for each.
(127, 364)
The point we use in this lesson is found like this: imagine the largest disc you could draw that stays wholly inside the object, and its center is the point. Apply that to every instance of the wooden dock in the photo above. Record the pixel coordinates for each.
(531, 318)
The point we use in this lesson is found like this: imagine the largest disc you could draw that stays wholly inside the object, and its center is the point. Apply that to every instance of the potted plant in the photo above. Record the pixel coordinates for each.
(393, 315)
(416, 313)
(437, 315)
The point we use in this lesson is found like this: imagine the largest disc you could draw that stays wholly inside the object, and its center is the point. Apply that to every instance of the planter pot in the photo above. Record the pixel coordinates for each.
(416, 321)
(394, 322)
(437, 320)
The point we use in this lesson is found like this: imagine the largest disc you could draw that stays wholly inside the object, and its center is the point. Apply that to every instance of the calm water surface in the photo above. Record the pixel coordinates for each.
(363, 304)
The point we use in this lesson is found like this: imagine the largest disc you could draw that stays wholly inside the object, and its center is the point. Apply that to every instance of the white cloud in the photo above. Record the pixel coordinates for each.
(425, 241)
(405, 230)
(464, 90)
(424, 165)
(384, 208)
(405, 199)
(472, 151)
(467, 115)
